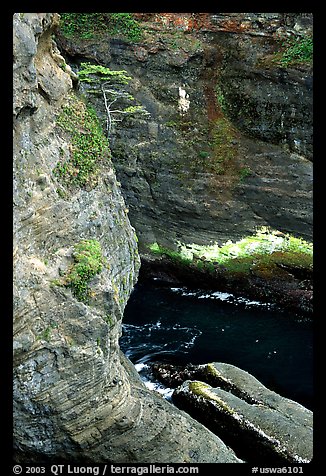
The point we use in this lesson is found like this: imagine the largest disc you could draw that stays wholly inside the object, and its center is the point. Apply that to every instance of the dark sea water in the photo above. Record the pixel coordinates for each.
(181, 326)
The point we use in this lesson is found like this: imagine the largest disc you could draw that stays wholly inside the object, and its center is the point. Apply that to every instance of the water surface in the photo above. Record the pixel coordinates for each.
(180, 326)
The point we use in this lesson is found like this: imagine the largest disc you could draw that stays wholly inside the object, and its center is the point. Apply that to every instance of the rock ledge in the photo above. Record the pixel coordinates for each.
(259, 424)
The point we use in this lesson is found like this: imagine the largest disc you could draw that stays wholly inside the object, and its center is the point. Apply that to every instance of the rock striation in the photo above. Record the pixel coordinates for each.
(76, 397)
(258, 423)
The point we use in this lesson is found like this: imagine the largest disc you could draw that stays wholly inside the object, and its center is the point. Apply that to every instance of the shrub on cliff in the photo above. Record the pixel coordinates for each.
(299, 50)
(295, 51)
(109, 85)
(89, 145)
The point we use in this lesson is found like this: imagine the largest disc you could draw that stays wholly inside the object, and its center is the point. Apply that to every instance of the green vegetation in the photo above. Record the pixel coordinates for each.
(89, 25)
(220, 98)
(82, 25)
(95, 73)
(88, 262)
(198, 387)
(220, 148)
(222, 144)
(181, 124)
(203, 154)
(46, 334)
(212, 370)
(89, 146)
(297, 50)
(244, 172)
(215, 146)
(61, 193)
(125, 25)
(205, 391)
(177, 256)
(179, 40)
(109, 320)
(108, 84)
(266, 254)
(223, 134)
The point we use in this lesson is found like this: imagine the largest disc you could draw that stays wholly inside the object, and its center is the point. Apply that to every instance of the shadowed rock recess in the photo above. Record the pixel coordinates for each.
(228, 145)
(76, 397)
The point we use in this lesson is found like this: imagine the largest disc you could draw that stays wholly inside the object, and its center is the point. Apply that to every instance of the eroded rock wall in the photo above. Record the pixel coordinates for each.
(228, 146)
(76, 398)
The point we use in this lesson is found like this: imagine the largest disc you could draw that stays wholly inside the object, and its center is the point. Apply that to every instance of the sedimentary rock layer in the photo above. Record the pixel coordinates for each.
(75, 397)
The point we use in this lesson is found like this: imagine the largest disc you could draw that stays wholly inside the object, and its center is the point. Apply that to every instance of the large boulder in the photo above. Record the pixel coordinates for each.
(259, 424)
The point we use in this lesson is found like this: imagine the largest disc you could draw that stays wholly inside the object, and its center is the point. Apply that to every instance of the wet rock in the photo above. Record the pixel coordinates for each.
(174, 375)
(287, 288)
(259, 424)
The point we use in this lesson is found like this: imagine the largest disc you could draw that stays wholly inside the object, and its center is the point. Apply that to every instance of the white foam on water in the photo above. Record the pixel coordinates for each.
(166, 392)
(205, 296)
(143, 368)
(184, 291)
(220, 296)
(191, 343)
(140, 366)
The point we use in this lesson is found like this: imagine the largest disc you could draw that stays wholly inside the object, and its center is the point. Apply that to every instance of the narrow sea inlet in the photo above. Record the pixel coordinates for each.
(180, 326)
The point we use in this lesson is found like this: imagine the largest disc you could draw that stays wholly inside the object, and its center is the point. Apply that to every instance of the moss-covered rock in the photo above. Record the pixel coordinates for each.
(269, 266)
(259, 424)
(88, 261)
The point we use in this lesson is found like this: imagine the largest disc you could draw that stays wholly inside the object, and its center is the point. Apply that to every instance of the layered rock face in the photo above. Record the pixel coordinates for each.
(76, 398)
(258, 423)
(228, 146)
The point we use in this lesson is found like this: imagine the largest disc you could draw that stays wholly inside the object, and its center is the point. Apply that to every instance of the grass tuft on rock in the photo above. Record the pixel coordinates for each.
(88, 262)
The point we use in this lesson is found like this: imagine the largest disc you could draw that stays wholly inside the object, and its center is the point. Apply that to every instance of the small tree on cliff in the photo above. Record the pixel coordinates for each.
(109, 84)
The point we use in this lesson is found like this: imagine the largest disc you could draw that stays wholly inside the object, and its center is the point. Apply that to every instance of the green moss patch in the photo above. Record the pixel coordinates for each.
(89, 146)
(198, 387)
(88, 261)
(204, 390)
